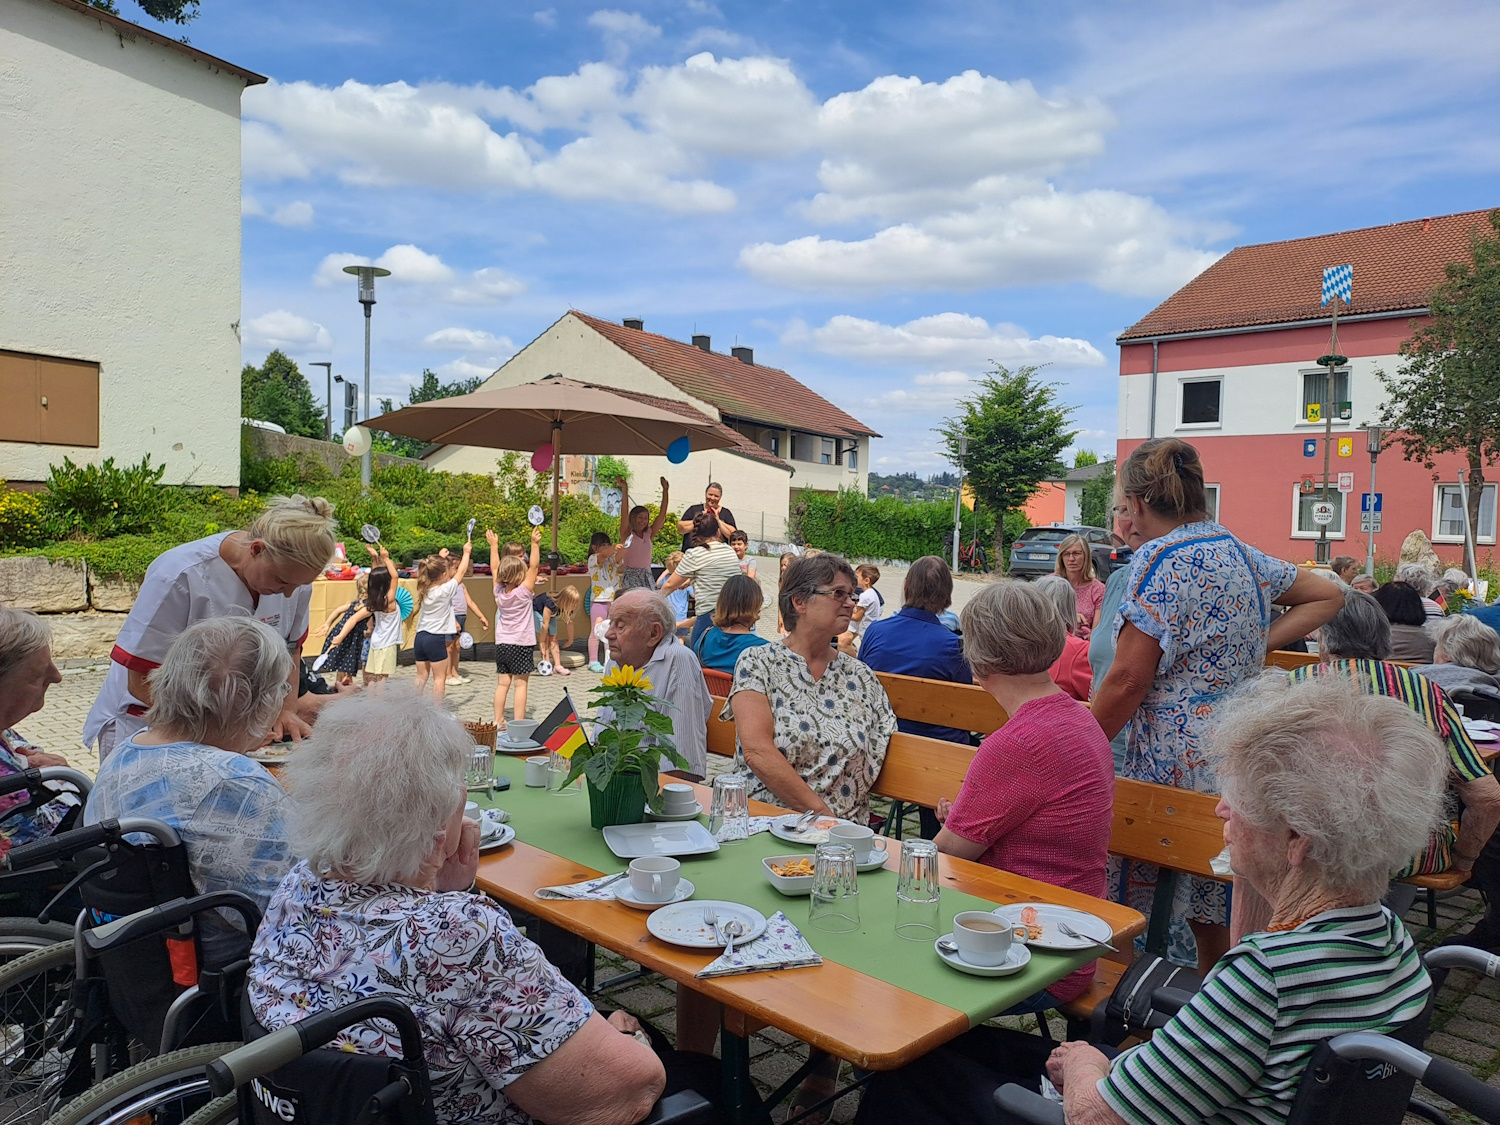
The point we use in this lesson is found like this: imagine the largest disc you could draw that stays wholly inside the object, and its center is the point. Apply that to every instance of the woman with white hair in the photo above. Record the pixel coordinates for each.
(1324, 792)
(381, 906)
(264, 572)
(1466, 657)
(1071, 670)
(26, 672)
(1425, 583)
(219, 688)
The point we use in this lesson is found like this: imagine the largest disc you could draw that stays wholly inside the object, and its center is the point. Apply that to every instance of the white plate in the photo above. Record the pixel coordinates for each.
(817, 832)
(270, 757)
(687, 837)
(527, 747)
(683, 924)
(497, 840)
(1049, 915)
(1016, 960)
(667, 816)
(625, 893)
(1480, 724)
(1483, 736)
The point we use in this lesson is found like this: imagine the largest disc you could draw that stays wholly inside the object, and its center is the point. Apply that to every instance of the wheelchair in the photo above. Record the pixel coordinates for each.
(1357, 1078)
(23, 893)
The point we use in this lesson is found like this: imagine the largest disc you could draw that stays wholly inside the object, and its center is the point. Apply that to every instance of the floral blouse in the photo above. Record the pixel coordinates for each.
(834, 731)
(40, 822)
(490, 1005)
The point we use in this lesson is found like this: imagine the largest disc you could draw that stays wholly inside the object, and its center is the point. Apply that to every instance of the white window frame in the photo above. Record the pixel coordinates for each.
(1338, 423)
(1181, 383)
(1218, 501)
(1343, 501)
(1437, 512)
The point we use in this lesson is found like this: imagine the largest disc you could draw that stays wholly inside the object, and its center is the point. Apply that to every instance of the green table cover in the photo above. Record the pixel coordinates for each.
(560, 825)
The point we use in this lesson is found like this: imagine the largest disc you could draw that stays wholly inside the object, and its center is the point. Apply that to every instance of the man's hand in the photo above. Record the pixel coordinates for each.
(623, 1021)
(462, 867)
(290, 723)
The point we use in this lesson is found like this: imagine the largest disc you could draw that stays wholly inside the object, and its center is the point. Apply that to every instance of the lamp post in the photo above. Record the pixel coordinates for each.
(958, 497)
(1373, 436)
(367, 276)
(327, 418)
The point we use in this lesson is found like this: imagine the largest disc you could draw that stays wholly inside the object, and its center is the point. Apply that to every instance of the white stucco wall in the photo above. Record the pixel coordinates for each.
(120, 236)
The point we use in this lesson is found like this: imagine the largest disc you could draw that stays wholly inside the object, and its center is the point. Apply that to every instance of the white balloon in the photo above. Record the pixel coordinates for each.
(356, 441)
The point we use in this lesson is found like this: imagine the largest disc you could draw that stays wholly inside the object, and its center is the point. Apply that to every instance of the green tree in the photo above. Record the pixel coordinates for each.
(1016, 431)
(430, 389)
(1085, 457)
(1097, 498)
(1445, 398)
(164, 11)
(277, 391)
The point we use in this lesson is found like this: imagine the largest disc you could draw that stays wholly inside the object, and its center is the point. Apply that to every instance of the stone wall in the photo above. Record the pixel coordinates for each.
(271, 445)
(84, 609)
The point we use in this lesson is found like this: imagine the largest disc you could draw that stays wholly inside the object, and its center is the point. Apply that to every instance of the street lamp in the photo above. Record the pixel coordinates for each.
(1373, 437)
(328, 419)
(367, 276)
(958, 498)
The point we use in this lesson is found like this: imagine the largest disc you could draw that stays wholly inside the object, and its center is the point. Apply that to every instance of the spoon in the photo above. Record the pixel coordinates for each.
(732, 929)
(948, 945)
(802, 822)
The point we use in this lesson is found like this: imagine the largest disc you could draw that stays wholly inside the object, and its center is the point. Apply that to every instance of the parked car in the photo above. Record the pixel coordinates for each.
(1034, 553)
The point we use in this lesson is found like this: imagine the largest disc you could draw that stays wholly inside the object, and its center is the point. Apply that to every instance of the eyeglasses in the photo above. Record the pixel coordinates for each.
(840, 594)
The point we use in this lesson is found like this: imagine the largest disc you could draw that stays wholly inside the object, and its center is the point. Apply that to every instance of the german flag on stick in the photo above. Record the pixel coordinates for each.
(562, 731)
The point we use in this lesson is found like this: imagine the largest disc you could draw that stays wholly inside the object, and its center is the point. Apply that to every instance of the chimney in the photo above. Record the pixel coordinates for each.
(701, 341)
(743, 354)
(634, 322)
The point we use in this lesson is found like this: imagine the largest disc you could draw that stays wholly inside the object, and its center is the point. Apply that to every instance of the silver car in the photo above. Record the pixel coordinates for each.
(1034, 553)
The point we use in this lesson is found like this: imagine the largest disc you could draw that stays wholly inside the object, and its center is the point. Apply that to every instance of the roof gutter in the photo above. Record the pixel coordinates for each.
(1121, 341)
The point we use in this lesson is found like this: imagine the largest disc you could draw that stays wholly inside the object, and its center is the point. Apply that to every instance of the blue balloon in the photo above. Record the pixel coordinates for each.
(677, 452)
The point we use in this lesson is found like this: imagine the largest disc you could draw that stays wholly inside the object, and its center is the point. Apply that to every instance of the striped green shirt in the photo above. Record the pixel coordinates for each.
(1235, 1054)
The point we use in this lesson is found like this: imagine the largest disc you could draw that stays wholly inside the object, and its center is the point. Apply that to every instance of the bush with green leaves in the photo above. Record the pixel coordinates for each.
(851, 524)
(97, 501)
(22, 523)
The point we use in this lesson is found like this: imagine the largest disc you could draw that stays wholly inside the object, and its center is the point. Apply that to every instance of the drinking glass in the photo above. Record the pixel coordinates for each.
(917, 892)
(729, 816)
(481, 772)
(834, 903)
(557, 773)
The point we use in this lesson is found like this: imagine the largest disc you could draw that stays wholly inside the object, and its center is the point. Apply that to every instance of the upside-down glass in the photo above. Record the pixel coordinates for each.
(480, 775)
(834, 903)
(557, 773)
(917, 892)
(729, 816)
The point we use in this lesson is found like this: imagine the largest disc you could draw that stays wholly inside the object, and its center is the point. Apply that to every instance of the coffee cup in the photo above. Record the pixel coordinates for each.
(536, 772)
(984, 939)
(518, 731)
(862, 840)
(678, 798)
(654, 878)
(471, 810)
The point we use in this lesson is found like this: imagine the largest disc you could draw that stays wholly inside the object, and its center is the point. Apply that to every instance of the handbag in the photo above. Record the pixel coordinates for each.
(1131, 1009)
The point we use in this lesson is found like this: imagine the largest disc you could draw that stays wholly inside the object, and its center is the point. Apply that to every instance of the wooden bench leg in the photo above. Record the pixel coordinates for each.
(1159, 932)
(1432, 908)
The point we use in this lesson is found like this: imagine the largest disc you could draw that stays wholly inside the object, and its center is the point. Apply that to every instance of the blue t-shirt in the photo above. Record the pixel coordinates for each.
(915, 643)
(719, 650)
(1489, 615)
(678, 600)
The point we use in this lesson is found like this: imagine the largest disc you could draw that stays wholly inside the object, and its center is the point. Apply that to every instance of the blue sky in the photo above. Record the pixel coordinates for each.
(880, 198)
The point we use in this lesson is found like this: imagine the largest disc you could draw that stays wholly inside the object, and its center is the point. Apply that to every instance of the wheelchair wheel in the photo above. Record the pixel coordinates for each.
(36, 1017)
(20, 936)
(168, 1088)
(220, 1111)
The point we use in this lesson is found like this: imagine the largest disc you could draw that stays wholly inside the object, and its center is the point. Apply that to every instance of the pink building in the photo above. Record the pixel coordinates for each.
(1228, 363)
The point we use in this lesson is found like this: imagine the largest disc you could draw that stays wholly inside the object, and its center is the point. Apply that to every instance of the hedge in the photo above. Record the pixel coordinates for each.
(851, 524)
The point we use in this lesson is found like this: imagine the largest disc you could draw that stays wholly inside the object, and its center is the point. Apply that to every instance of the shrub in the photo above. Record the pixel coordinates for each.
(853, 525)
(609, 470)
(21, 519)
(98, 501)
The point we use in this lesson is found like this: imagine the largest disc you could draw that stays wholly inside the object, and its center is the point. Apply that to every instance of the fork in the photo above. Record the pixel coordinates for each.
(802, 822)
(1069, 931)
(711, 918)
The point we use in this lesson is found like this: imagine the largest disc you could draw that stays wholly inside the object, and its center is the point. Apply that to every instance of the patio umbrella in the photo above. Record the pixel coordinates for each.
(593, 420)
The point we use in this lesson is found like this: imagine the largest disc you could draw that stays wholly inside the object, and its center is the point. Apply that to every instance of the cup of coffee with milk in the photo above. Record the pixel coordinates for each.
(983, 939)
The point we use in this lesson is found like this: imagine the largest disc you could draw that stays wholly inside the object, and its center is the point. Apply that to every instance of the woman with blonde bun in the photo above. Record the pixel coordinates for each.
(264, 572)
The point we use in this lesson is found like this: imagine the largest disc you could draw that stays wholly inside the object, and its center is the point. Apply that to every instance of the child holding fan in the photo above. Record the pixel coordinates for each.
(436, 623)
(638, 533)
(604, 580)
(382, 604)
(514, 639)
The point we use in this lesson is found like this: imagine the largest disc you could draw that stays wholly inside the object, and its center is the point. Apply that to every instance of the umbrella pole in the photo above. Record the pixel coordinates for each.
(556, 468)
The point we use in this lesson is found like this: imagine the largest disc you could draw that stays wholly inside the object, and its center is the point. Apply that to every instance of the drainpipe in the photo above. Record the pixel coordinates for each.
(1151, 415)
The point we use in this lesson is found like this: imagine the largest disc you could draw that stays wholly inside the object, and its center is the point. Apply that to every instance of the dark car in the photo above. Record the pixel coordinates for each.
(1034, 553)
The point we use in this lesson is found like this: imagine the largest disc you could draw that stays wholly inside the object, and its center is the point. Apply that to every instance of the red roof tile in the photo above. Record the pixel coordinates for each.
(738, 389)
(742, 445)
(1396, 268)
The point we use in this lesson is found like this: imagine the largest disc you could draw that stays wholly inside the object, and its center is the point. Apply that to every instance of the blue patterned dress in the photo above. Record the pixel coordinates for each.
(1205, 598)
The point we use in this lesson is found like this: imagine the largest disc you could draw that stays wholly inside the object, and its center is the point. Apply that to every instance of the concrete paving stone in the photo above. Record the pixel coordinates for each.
(1488, 987)
(649, 1000)
(1481, 1008)
(777, 1036)
(1461, 1051)
(1475, 1031)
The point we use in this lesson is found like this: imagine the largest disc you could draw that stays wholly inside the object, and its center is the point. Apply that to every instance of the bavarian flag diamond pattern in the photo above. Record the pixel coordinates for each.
(1338, 281)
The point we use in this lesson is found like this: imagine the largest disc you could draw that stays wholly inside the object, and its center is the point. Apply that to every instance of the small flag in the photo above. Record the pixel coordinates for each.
(1314, 412)
(1310, 447)
(1338, 281)
(561, 731)
(1346, 447)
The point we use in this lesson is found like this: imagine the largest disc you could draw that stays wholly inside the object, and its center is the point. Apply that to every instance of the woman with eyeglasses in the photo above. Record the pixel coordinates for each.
(811, 723)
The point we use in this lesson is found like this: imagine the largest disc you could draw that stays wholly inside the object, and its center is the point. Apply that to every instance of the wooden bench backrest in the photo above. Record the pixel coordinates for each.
(942, 702)
(1280, 658)
(1174, 828)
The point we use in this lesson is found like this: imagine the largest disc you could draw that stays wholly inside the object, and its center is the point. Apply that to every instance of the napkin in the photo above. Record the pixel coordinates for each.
(782, 946)
(758, 824)
(590, 889)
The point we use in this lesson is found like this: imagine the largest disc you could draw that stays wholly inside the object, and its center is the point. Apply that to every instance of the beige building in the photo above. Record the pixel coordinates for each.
(119, 246)
(790, 437)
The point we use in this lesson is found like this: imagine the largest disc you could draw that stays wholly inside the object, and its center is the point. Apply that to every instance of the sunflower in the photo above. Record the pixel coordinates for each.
(626, 677)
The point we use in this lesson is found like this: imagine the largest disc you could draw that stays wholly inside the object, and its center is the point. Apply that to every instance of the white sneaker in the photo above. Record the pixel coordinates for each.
(455, 681)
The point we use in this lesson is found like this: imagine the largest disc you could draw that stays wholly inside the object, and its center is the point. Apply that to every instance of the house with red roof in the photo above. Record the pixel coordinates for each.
(787, 436)
(1229, 363)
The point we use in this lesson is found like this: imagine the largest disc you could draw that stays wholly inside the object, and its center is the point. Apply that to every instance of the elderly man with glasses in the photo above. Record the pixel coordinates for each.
(643, 634)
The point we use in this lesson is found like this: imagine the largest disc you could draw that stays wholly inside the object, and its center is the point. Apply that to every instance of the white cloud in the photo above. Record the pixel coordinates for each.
(943, 338)
(465, 369)
(718, 37)
(933, 391)
(547, 17)
(468, 340)
(298, 213)
(411, 265)
(282, 329)
(626, 25)
(249, 205)
(739, 107)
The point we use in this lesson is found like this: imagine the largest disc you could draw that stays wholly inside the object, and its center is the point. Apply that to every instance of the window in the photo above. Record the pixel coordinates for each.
(851, 455)
(1200, 402)
(826, 457)
(1315, 383)
(802, 447)
(1303, 524)
(49, 401)
(1448, 515)
(1211, 501)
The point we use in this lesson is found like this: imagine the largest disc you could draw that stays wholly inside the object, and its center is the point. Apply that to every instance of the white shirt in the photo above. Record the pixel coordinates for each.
(436, 615)
(677, 679)
(189, 583)
(869, 601)
(387, 630)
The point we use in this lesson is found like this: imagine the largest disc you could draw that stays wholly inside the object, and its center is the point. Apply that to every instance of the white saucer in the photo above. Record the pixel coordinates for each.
(1016, 960)
(697, 811)
(812, 837)
(497, 840)
(502, 746)
(625, 893)
(871, 864)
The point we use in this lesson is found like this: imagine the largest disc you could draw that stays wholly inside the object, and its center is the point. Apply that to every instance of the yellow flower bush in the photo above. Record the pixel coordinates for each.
(20, 518)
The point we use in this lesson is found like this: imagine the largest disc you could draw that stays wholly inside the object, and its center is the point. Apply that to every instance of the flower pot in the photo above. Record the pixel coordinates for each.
(619, 802)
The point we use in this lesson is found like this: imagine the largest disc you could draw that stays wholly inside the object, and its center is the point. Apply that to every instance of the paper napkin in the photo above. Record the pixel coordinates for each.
(782, 946)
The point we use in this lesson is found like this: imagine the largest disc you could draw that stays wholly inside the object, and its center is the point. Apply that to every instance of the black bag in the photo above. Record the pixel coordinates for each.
(1130, 1009)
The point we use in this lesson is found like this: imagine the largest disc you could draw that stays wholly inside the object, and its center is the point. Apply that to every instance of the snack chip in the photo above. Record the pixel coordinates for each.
(799, 866)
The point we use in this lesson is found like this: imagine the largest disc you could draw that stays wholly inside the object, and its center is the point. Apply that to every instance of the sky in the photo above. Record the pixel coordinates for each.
(883, 199)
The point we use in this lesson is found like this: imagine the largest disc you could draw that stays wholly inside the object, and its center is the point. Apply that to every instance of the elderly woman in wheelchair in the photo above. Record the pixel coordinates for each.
(381, 906)
(1325, 792)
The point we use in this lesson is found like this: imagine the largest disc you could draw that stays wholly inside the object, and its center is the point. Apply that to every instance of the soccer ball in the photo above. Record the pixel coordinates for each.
(545, 668)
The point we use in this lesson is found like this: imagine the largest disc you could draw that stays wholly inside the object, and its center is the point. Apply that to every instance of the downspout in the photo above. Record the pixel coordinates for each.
(1151, 415)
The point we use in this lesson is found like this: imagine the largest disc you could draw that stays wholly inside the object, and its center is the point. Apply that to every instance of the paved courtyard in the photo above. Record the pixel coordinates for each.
(1465, 1028)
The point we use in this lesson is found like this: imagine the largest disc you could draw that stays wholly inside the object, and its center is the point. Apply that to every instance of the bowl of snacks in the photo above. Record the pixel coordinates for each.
(789, 874)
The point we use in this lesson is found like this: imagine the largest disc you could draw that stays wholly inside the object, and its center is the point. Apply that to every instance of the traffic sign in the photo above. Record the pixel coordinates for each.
(1310, 447)
(1323, 512)
(1366, 504)
(1369, 523)
(1346, 482)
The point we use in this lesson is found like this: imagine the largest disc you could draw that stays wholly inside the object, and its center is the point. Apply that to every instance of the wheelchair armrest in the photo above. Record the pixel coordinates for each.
(143, 923)
(1170, 1001)
(686, 1107)
(1029, 1106)
(1462, 957)
(67, 844)
(1461, 1088)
